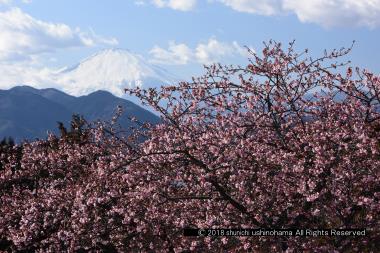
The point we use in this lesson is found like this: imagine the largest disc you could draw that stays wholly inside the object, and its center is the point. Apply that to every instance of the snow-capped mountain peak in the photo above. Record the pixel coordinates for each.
(112, 70)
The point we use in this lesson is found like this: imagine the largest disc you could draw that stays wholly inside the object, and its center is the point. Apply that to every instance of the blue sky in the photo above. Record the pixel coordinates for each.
(179, 35)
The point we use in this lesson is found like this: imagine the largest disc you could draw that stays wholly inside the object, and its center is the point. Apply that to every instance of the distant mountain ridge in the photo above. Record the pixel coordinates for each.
(28, 113)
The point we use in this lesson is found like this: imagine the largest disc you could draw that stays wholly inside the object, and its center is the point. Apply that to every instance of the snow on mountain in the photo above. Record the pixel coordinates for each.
(112, 70)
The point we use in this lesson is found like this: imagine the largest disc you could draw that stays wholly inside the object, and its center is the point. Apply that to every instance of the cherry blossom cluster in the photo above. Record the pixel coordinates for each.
(288, 141)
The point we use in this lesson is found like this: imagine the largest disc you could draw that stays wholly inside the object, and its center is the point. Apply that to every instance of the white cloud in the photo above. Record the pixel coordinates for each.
(23, 36)
(22, 73)
(139, 2)
(327, 13)
(205, 53)
(262, 7)
(215, 51)
(181, 5)
(176, 54)
(5, 1)
(330, 13)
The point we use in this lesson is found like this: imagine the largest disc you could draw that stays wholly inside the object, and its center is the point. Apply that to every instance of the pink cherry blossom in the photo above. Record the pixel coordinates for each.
(240, 147)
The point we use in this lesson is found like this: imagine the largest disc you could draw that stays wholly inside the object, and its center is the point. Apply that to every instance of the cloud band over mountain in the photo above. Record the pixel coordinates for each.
(111, 70)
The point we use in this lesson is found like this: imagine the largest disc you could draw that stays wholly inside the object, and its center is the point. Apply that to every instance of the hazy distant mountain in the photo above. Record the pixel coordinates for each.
(28, 113)
(112, 70)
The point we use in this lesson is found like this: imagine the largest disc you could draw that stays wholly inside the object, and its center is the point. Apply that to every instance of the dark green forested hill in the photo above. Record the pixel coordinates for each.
(28, 113)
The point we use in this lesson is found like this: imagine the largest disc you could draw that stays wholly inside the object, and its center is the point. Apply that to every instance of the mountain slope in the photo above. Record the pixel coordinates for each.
(27, 113)
(102, 105)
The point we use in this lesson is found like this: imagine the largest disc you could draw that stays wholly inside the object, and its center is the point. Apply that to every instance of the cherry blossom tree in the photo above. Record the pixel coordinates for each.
(288, 141)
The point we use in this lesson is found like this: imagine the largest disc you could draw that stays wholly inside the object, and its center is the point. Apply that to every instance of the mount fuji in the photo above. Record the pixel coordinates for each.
(92, 88)
(111, 70)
